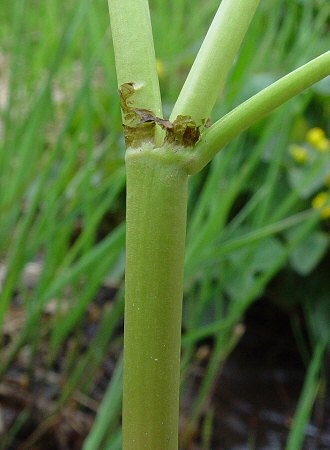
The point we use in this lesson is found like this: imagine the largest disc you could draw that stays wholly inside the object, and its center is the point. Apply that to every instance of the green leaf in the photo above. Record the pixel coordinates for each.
(309, 253)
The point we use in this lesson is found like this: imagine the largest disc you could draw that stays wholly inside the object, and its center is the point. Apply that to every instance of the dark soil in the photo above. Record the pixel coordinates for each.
(259, 387)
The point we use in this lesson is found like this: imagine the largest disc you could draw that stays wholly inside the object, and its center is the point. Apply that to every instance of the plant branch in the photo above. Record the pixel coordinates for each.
(134, 52)
(257, 107)
(209, 72)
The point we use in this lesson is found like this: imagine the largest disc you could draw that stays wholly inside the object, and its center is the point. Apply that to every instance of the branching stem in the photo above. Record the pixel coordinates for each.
(157, 178)
(257, 107)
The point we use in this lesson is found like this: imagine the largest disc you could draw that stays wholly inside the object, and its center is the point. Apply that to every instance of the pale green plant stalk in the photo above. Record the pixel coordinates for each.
(208, 75)
(158, 165)
(134, 51)
(257, 107)
(156, 227)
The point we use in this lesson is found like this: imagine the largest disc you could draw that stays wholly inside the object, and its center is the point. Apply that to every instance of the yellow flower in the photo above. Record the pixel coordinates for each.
(318, 139)
(160, 68)
(320, 202)
(323, 145)
(298, 153)
(325, 213)
(314, 135)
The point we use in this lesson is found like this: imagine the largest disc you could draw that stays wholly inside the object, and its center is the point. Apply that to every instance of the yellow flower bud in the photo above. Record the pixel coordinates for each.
(298, 153)
(321, 203)
(318, 139)
(323, 145)
(320, 200)
(325, 213)
(314, 135)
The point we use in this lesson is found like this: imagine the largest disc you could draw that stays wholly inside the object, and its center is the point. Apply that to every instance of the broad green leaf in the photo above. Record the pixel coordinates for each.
(309, 253)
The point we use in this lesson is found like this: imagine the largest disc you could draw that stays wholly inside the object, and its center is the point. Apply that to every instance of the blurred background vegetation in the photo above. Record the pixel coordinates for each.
(259, 219)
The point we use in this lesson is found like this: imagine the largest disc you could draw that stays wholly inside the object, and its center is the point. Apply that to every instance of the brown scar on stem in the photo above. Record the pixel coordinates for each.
(139, 124)
(184, 132)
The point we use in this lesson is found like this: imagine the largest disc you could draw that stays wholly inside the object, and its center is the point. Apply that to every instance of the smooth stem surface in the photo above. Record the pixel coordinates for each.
(257, 107)
(156, 228)
(134, 52)
(209, 72)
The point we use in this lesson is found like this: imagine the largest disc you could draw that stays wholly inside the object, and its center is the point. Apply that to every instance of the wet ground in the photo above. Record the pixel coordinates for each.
(259, 387)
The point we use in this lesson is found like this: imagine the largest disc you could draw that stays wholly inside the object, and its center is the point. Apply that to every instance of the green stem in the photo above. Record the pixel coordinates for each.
(257, 107)
(209, 72)
(156, 228)
(307, 398)
(134, 52)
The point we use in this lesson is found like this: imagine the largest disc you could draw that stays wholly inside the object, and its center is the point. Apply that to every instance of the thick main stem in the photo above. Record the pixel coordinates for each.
(156, 228)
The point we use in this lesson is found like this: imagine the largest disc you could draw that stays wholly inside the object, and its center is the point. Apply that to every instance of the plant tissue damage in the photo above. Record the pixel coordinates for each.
(139, 124)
